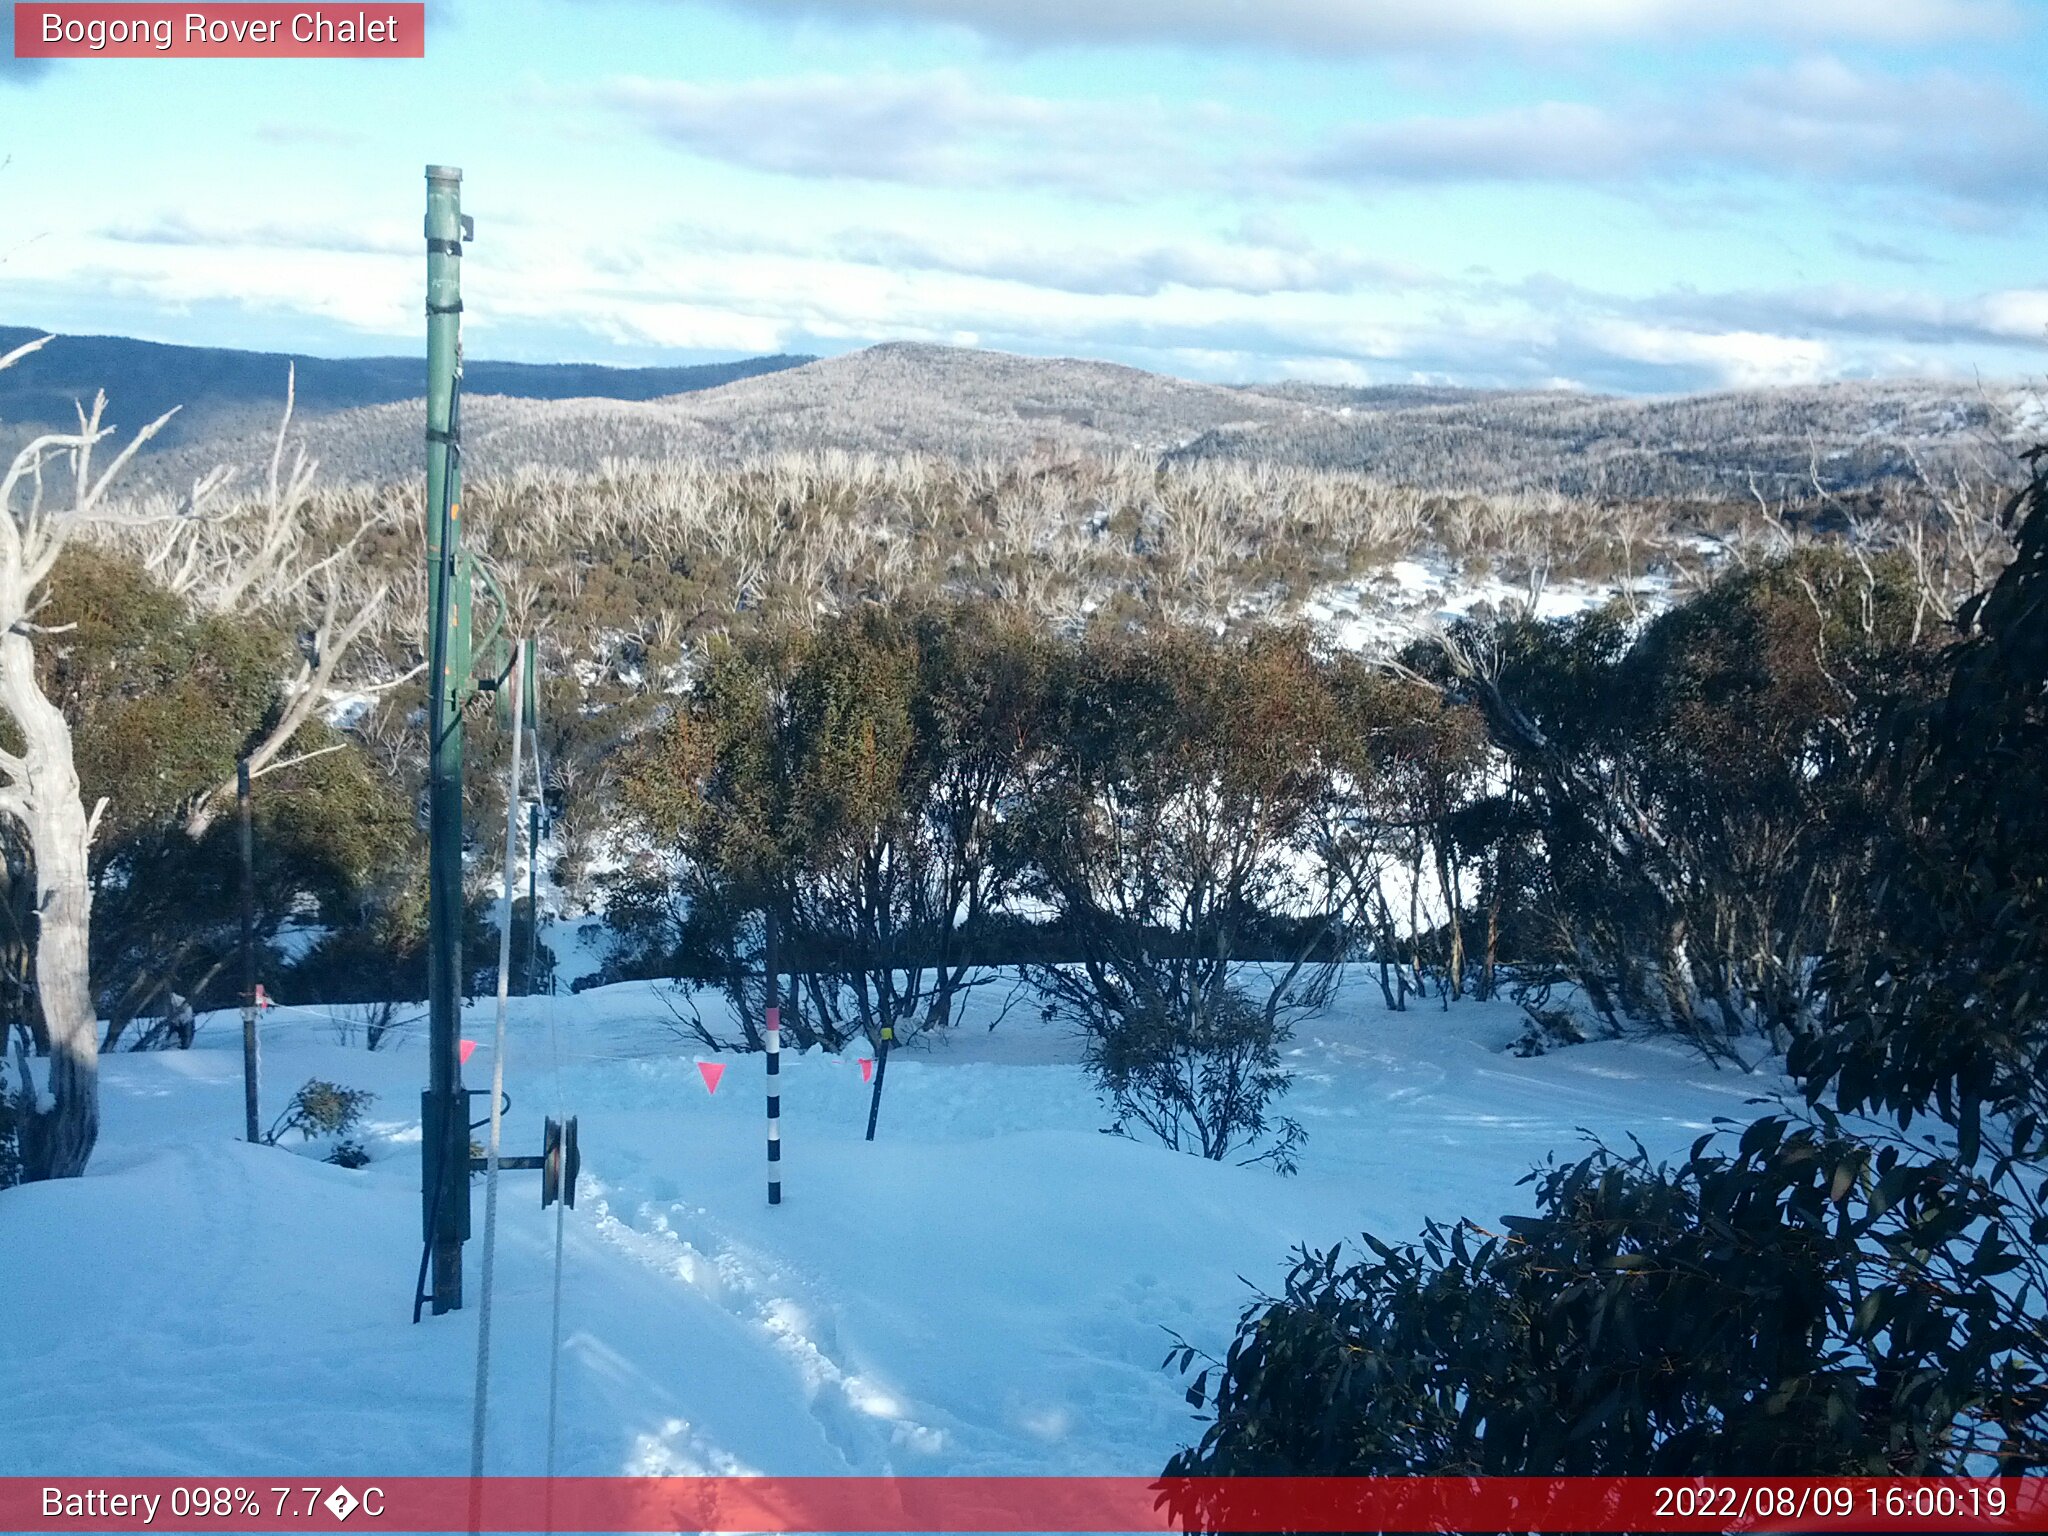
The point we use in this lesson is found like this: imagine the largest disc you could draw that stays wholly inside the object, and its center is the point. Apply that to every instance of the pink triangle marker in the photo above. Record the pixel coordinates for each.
(711, 1072)
(468, 1049)
(867, 1068)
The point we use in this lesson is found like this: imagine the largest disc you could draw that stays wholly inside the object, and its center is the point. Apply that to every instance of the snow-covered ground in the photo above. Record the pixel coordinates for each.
(1384, 610)
(984, 1289)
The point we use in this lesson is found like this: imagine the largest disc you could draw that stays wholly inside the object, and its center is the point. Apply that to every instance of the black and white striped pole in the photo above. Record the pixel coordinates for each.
(774, 1032)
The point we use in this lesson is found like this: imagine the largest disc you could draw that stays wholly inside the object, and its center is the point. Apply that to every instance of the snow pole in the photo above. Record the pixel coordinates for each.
(774, 1035)
(881, 1067)
(533, 895)
(444, 1147)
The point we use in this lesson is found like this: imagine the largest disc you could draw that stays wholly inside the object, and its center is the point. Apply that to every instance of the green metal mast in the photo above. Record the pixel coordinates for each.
(444, 1160)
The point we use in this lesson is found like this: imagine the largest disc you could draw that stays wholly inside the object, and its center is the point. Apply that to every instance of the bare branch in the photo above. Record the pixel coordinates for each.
(397, 682)
(106, 478)
(293, 762)
(330, 645)
(11, 358)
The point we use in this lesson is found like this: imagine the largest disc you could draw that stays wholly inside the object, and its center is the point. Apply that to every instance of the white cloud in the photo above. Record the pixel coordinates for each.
(1254, 263)
(376, 296)
(1220, 313)
(2020, 314)
(938, 128)
(2000, 317)
(1818, 120)
(1973, 145)
(1376, 26)
(1739, 358)
(386, 238)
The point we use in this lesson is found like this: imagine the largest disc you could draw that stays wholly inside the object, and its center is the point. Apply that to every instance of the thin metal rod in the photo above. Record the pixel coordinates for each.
(483, 1321)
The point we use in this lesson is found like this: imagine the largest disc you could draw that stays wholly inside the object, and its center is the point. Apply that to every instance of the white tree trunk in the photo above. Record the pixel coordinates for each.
(63, 1121)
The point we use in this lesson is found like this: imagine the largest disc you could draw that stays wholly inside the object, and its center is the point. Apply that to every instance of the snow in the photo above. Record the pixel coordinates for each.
(578, 945)
(983, 1289)
(1387, 608)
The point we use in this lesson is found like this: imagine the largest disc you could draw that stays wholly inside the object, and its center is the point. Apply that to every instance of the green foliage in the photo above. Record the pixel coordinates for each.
(1201, 1083)
(321, 1108)
(1935, 1012)
(381, 955)
(1690, 807)
(1815, 1302)
(1802, 1306)
(853, 778)
(1165, 829)
(162, 698)
(1406, 816)
(1939, 1007)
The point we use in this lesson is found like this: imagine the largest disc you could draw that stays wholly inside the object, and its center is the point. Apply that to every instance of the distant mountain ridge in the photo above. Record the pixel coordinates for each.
(363, 419)
(222, 389)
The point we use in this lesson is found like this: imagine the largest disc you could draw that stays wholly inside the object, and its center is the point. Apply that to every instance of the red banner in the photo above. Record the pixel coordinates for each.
(367, 29)
(1010, 1504)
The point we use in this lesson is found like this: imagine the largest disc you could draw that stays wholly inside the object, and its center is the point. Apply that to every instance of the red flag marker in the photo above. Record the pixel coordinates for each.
(468, 1050)
(867, 1068)
(711, 1072)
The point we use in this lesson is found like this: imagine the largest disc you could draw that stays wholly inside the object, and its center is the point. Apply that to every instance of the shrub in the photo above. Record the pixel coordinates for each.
(10, 1143)
(162, 696)
(1803, 1306)
(1166, 832)
(854, 777)
(1200, 1083)
(321, 1108)
(1816, 1302)
(1695, 794)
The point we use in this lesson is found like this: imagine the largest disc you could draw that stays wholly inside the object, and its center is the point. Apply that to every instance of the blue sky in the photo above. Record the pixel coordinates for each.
(1634, 195)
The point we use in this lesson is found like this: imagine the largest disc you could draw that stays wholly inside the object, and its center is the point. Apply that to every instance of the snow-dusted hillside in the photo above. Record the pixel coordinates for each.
(984, 1289)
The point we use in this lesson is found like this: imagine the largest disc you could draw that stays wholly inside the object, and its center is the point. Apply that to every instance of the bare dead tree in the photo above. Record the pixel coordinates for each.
(265, 566)
(329, 643)
(40, 793)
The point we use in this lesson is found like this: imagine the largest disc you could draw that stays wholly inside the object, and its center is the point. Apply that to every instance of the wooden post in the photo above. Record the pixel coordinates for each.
(251, 1052)
(881, 1069)
(774, 1034)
